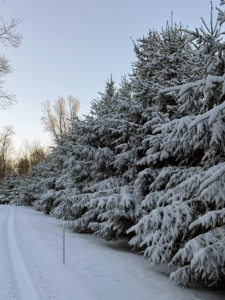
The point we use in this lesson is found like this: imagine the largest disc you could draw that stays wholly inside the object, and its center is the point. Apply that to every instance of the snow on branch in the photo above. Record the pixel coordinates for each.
(193, 35)
(171, 89)
(211, 115)
(213, 178)
(221, 14)
(204, 250)
(210, 219)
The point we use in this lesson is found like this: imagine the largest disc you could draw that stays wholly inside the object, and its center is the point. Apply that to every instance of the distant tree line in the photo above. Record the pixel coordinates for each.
(29, 154)
(56, 121)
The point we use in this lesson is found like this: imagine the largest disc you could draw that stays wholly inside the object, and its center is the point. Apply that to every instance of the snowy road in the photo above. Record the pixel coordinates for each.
(31, 265)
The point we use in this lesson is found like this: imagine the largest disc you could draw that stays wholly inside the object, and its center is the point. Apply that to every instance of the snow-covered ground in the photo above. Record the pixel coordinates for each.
(31, 265)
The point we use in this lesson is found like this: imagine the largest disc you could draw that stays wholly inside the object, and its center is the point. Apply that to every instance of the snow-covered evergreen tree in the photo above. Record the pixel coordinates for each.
(185, 223)
(97, 148)
(111, 206)
(9, 187)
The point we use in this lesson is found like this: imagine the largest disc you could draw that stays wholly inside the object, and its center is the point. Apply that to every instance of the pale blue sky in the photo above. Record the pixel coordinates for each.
(72, 47)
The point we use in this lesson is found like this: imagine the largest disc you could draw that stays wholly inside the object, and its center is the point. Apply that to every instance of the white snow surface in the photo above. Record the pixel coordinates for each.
(31, 266)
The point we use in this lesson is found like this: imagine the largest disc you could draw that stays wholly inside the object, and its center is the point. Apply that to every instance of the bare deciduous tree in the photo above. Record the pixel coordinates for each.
(22, 165)
(38, 152)
(8, 37)
(6, 148)
(29, 155)
(57, 119)
(8, 34)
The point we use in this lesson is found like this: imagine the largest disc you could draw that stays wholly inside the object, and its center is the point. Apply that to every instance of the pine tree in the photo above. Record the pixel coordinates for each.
(9, 188)
(112, 208)
(186, 228)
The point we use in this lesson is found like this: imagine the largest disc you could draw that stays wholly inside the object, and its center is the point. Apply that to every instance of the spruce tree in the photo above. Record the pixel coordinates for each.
(186, 228)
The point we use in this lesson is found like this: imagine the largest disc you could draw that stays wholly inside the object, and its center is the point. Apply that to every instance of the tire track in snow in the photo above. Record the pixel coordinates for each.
(32, 251)
(7, 282)
(52, 278)
(25, 284)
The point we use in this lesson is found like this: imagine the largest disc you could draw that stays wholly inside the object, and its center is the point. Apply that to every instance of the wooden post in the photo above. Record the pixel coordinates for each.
(64, 229)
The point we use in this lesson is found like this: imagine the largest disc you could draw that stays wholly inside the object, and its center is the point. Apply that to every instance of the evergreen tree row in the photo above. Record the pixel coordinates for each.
(148, 162)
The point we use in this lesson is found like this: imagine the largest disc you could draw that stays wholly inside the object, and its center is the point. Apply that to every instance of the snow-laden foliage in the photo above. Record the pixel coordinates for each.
(9, 188)
(107, 196)
(147, 164)
(184, 220)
